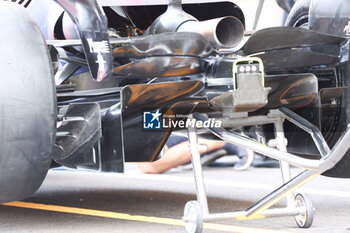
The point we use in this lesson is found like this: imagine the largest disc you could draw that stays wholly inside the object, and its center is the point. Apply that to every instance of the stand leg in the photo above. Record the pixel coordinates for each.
(197, 169)
(285, 167)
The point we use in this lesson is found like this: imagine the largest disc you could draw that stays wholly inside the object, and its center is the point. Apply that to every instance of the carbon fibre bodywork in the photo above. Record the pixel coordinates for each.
(179, 72)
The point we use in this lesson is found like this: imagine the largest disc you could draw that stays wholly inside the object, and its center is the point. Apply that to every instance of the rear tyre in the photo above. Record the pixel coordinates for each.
(299, 14)
(299, 17)
(27, 104)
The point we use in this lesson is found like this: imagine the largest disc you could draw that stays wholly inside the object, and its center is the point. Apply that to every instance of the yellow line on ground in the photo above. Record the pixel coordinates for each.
(129, 217)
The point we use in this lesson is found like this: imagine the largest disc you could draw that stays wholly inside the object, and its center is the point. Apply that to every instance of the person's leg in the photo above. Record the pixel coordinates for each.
(177, 155)
(246, 156)
(232, 149)
(175, 140)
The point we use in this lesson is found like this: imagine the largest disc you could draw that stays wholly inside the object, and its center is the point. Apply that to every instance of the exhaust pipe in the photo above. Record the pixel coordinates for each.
(220, 32)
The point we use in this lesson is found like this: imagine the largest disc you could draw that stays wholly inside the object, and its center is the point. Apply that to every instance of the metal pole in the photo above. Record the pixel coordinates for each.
(197, 167)
(281, 192)
(285, 168)
(270, 152)
(258, 13)
(314, 132)
(242, 215)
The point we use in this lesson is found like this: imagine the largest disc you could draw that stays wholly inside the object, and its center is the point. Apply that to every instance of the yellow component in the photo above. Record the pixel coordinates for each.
(284, 195)
(248, 60)
(251, 217)
(139, 218)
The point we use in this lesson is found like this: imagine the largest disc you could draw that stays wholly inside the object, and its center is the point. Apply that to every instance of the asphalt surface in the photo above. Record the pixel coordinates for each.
(135, 202)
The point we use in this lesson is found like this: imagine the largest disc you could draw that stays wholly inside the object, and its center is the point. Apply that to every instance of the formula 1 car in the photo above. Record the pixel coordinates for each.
(89, 83)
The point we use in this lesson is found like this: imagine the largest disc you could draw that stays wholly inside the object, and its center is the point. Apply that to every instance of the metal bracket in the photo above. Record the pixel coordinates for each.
(312, 168)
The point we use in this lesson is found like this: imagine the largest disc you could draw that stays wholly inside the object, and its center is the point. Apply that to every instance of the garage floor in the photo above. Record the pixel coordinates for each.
(72, 201)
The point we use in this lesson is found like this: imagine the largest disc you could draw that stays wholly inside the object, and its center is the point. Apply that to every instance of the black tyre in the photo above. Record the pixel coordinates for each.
(342, 168)
(299, 14)
(27, 104)
(299, 17)
(285, 4)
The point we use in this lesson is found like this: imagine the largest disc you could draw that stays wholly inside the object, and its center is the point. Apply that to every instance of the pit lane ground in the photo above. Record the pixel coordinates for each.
(134, 202)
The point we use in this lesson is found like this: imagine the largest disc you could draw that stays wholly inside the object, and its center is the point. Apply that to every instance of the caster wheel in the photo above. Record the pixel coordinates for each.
(193, 217)
(306, 211)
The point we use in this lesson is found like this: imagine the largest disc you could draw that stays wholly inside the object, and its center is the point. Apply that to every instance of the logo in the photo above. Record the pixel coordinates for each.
(347, 29)
(156, 120)
(151, 120)
(98, 46)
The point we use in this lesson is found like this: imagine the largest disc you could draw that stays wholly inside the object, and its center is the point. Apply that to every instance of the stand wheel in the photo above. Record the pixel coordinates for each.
(306, 211)
(193, 217)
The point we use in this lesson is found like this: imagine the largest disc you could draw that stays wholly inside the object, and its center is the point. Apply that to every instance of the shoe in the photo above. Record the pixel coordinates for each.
(261, 161)
(245, 161)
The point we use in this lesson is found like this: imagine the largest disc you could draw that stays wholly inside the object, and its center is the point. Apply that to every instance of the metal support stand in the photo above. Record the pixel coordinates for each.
(285, 168)
(299, 205)
(197, 169)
